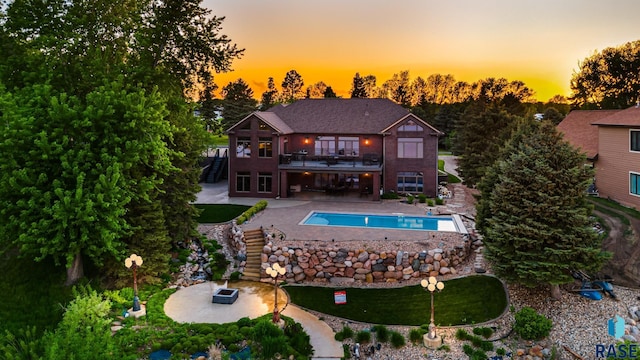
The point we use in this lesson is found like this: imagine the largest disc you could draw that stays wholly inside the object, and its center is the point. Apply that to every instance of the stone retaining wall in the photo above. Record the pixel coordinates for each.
(336, 263)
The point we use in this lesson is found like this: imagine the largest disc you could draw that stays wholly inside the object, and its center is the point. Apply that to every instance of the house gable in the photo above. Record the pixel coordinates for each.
(578, 130)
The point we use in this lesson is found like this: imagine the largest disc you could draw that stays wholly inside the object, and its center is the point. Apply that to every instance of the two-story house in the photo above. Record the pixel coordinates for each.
(618, 164)
(335, 146)
(611, 141)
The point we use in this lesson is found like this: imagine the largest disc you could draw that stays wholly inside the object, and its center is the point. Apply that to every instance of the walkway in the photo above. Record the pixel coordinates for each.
(193, 305)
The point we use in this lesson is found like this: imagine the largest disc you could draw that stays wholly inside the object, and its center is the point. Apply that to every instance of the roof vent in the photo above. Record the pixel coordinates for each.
(366, 113)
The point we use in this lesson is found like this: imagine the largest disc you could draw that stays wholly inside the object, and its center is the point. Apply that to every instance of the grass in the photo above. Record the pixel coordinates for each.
(219, 213)
(220, 140)
(463, 301)
(451, 179)
(614, 205)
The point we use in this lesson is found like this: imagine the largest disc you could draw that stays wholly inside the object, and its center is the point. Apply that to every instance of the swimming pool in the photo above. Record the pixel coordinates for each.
(395, 221)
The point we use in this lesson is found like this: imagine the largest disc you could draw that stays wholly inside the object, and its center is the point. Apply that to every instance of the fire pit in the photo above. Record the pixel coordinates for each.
(225, 296)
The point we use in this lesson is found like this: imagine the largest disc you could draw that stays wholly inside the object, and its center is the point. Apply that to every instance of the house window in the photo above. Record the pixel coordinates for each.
(634, 184)
(349, 146)
(410, 182)
(243, 147)
(263, 126)
(325, 145)
(264, 182)
(635, 140)
(410, 148)
(410, 126)
(243, 181)
(265, 148)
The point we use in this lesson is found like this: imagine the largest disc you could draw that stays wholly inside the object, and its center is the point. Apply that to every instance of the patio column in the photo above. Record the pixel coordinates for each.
(376, 186)
(284, 184)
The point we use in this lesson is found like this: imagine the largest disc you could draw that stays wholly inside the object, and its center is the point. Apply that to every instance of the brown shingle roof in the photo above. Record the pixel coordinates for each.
(579, 132)
(626, 117)
(340, 116)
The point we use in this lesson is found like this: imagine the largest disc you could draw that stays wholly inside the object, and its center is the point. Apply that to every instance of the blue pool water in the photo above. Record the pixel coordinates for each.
(378, 221)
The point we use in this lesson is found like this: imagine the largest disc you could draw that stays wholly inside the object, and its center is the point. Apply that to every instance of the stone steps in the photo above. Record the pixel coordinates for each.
(254, 240)
(479, 264)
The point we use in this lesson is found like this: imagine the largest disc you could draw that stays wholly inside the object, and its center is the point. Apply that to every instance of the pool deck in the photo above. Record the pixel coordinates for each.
(286, 214)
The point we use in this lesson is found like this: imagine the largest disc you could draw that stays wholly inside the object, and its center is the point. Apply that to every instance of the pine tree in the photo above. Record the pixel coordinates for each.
(533, 211)
(357, 89)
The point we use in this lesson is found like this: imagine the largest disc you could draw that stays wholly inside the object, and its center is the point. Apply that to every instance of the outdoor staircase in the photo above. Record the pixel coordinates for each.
(255, 242)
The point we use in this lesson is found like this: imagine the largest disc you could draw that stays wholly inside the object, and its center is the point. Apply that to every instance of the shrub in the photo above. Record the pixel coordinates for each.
(345, 333)
(235, 275)
(363, 336)
(422, 198)
(390, 195)
(501, 352)
(397, 340)
(530, 325)
(430, 202)
(485, 332)
(409, 199)
(462, 334)
(382, 333)
(415, 335)
(468, 349)
(439, 201)
(486, 346)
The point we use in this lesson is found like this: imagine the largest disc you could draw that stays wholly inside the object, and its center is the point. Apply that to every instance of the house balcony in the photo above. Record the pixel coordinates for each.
(333, 163)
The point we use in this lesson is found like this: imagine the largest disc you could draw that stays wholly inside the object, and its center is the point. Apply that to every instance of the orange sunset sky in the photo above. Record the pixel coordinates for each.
(538, 42)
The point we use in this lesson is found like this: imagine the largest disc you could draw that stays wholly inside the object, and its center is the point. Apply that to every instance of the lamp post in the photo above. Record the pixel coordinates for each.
(431, 339)
(275, 271)
(133, 262)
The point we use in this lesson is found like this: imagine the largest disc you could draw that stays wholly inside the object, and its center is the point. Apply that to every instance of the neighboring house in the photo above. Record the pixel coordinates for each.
(335, 146)
(611, 141)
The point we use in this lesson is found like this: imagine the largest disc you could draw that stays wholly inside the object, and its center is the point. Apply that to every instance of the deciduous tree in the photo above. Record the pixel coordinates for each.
(609, 79)
(292, 86)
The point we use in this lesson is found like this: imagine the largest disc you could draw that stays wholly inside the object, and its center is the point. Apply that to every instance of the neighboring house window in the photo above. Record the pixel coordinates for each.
(410, 148)
(243, 147)
(243, 181)
(410, 182)
(410, 126)
(265, 148)
(349, 146)
(634, 184)
(635, 140)
(325, 145)
(264, 182)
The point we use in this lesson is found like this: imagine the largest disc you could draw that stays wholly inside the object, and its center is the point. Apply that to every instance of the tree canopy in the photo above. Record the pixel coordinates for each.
(609, 79)
(533, 211)
(98, 134)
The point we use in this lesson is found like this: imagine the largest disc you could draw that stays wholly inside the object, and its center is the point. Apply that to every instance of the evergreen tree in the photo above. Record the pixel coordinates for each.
(329, 93)
(357, 89)
(237, 103)
(533, 211)
(479, 136)
(270, 96)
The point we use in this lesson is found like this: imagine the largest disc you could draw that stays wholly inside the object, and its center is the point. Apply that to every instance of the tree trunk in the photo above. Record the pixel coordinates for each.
(555, 292)
(76, 271)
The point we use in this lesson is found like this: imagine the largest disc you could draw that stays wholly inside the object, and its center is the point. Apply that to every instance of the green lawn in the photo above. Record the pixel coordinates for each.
(218, 213)
(468, 300)
(451, 179)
